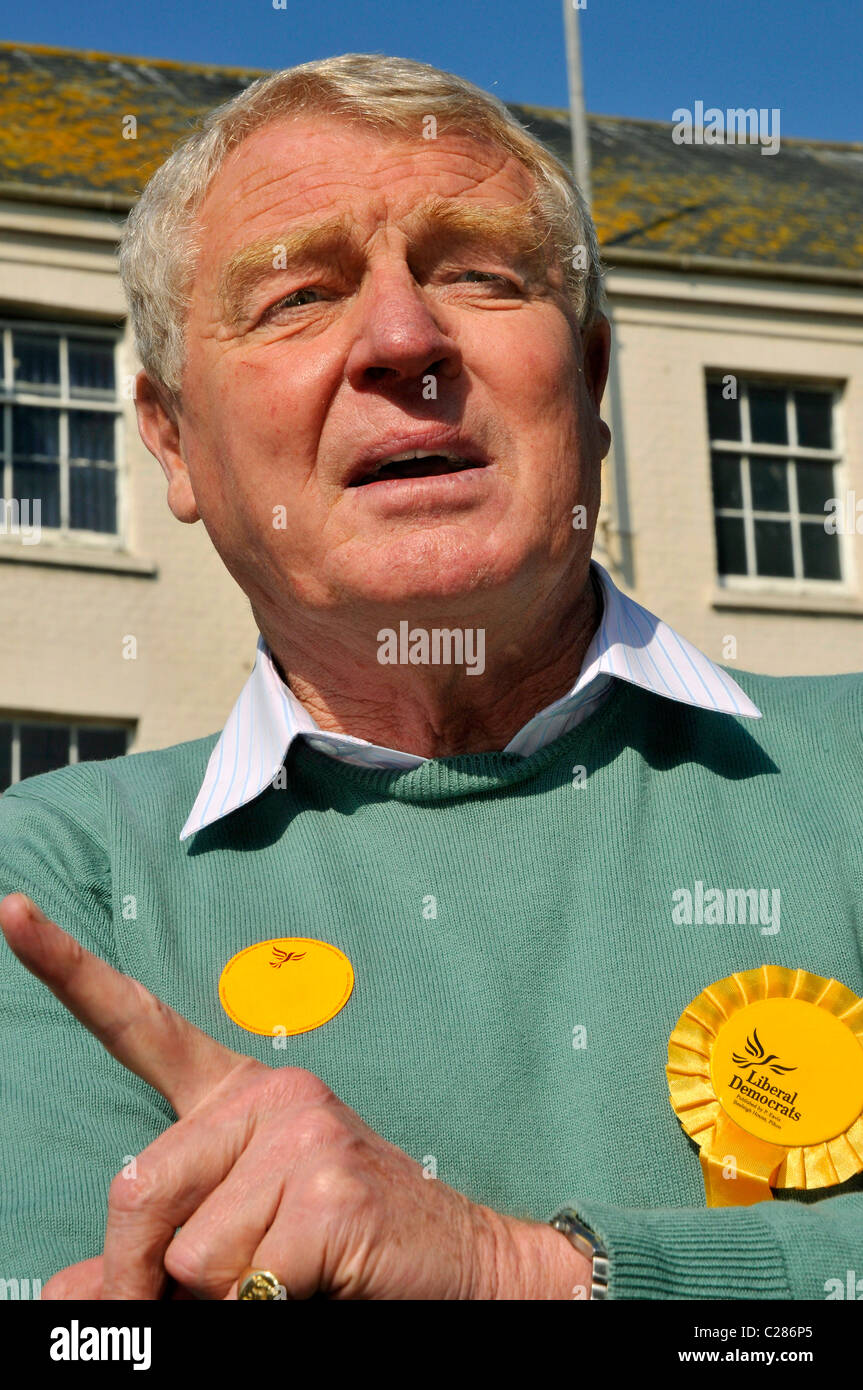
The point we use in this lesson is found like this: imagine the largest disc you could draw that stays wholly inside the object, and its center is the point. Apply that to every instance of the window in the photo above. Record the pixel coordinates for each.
(28, 747)
(773, 458)
(60, 423)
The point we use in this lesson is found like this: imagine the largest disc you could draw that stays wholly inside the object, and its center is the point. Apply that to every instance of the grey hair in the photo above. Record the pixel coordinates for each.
(159, 247)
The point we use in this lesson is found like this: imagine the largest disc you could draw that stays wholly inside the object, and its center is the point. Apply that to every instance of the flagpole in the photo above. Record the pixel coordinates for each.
(608, 521)
(577, 116)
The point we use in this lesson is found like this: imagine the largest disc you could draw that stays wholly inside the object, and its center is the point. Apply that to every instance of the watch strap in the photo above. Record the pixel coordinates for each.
(586, 1243)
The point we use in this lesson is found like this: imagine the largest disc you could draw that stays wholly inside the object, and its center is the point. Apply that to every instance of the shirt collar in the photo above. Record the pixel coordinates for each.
(630, 644)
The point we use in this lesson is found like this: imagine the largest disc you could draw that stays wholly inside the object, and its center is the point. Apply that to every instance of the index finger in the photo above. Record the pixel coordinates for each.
(136, 1027)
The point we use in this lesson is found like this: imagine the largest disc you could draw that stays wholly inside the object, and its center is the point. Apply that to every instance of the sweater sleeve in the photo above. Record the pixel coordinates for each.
(773, 1250)
(70, 1115)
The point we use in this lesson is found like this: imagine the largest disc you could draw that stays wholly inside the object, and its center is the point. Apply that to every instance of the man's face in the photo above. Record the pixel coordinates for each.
(408, 325)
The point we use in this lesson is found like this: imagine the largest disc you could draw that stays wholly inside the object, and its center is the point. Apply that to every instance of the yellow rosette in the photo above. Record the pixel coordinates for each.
(765, 1073)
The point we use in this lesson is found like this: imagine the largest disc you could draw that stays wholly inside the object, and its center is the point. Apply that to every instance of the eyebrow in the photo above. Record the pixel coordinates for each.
(513, 228)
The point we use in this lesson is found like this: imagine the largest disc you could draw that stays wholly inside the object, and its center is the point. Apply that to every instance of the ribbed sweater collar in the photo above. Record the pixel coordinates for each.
(468, 774)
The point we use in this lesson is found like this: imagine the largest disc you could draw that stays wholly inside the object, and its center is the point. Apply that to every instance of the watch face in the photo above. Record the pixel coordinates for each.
(573, 1227)
(579, 1235)
(589, 1245)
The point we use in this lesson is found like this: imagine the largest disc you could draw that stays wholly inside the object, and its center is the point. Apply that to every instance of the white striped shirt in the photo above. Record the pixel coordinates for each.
(629, 644)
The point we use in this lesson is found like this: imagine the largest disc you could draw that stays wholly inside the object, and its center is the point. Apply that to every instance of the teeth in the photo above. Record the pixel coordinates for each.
(419, 454)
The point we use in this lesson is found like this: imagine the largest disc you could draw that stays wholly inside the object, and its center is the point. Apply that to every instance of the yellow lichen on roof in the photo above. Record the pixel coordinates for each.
(62, 127)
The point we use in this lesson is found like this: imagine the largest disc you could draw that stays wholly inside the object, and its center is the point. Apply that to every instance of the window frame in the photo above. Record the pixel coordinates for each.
(797, 585)
(73, 726)
(63, 402)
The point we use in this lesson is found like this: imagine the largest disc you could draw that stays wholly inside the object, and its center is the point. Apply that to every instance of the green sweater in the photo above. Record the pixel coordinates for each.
(554, 914)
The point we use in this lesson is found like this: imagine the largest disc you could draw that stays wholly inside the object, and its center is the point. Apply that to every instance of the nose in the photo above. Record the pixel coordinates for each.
(399, 340)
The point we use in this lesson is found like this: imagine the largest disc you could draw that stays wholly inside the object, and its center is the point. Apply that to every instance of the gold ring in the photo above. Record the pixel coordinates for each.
(257, 1284)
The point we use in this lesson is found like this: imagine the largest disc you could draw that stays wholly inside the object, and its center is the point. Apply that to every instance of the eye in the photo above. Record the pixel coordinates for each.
(286, 302)
(489, 275)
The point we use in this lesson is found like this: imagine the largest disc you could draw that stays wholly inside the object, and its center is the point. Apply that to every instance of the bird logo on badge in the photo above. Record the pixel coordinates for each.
(758, 1058)
(284, 957)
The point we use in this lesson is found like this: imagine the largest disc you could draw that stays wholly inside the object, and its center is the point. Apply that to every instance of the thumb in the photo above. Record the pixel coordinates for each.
(83, 1280)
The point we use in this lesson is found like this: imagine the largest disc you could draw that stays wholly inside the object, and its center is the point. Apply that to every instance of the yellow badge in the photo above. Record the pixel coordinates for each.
(289, 985)
(765, 1073)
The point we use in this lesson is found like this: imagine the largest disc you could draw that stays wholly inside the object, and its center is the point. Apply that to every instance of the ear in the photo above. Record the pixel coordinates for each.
(596, 354)
(158, 426)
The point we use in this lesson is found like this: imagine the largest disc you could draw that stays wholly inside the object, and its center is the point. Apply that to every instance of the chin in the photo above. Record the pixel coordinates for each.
(429, 568)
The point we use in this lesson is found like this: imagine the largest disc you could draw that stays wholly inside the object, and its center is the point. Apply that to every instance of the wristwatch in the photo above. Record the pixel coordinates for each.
(586, 1243)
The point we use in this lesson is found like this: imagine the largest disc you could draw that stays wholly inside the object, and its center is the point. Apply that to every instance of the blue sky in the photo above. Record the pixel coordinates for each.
(641, 57)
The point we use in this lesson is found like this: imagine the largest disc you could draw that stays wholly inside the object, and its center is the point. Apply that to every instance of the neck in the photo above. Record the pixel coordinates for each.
(439, 711)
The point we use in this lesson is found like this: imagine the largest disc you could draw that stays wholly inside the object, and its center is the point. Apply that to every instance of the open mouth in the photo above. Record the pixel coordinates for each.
(418, 463)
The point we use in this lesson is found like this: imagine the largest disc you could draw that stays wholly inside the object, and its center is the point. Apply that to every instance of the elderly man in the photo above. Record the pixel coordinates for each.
(359, 996)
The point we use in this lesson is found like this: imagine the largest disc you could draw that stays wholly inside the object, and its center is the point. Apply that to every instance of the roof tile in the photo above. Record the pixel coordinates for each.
(61, 128)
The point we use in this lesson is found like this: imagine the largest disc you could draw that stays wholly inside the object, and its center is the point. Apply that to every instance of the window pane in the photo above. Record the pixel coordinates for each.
(35, 432)
(5, 756)
(773, 554)
(727, 489)
(91, 367)
(814, 486)
(95, 744)
(767, 415)
(730, 545)
(36, 363)
(723, 416)
(769, 481)
(43, 747)
(91, 435)
(814, 419)
(32, 482)
(92, 499)
(820, 552)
